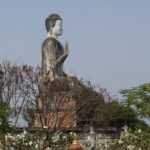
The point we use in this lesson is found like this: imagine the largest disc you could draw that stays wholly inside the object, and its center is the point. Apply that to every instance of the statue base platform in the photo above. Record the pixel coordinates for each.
(65, 102)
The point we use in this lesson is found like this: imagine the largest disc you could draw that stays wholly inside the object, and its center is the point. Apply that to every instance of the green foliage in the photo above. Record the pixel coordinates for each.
(61, 141)
(113, 114)
(129, 140)
(139, 99)
(4, 117)
(37, 141)
(137, 140)
(26, 141)
(29, 116)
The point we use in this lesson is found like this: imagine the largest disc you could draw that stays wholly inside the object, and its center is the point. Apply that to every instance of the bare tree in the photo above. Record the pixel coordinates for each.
(65, 102)
(11, 81)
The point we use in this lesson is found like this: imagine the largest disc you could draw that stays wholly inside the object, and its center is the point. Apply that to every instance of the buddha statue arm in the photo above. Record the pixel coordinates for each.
(64, 55)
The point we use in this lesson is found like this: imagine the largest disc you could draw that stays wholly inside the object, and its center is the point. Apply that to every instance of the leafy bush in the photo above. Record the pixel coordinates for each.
(36, 141)
(129, 140)
(113, 114)
(139, 99)
(4, 117)
(138, 140)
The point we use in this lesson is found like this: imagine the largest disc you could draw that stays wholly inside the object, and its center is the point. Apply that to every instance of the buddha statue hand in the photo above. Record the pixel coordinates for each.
(64, 55)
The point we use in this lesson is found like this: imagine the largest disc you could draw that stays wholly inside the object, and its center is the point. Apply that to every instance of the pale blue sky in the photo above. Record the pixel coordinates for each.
(108, 39)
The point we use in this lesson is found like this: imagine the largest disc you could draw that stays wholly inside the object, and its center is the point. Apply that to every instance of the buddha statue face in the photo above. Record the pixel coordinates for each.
(57, 29)
(54, 25)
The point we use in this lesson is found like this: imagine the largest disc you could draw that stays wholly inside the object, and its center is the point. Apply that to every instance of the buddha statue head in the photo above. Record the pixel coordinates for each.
(54, 25)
